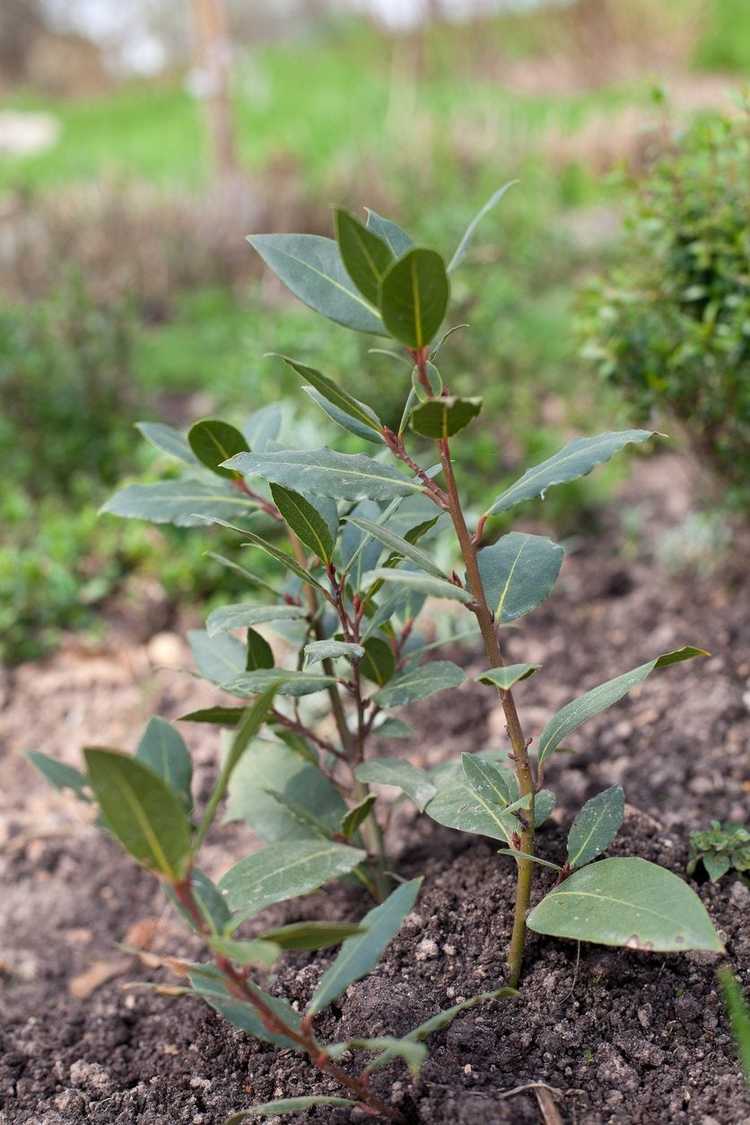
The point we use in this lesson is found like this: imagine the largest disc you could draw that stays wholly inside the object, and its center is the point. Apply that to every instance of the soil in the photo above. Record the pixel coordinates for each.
(619, 1036)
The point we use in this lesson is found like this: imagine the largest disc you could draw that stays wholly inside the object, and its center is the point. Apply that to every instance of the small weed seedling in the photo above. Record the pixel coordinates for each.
(358, 544)
(720, 848)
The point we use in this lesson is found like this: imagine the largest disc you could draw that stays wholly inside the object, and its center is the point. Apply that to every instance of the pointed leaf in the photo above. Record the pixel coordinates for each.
(141, 811)
(321, 472)
(259, 953)
(286, 1105)
(518, 572)
(211, 903)
(313, 827)
(456, 806)
(401, 774)
(490, 792)
(440, 418)
(311, 267)
(242, 615)
(357, 815)
(316, 651)
(218, 659)
(515, 854)
(423, 583)
(287, 681)
(337, 396)
(739, 1016)
(365, 255)
(263, 427)
(213, 442)
(544, 803)
(312, 935)
(253, 540)
(185, 503)
(469, 232)
(398, 240)
(414, 296)
(574, 460)
(595, 826)
(342, 418)
(358, 955)
(386, 1048)
(60, 775)
(164, 751)
(210, 987)
(418, 683)
(570, 717)
(217, 716)
(379, 661)
(168, 440)
(400, 545)
(258, 652)
(507, 675)
(627, 902)
(284, 871)
(444, 1019)
(305, 521)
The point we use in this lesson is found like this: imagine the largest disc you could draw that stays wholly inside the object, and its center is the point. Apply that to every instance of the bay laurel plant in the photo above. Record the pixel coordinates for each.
(354, 544)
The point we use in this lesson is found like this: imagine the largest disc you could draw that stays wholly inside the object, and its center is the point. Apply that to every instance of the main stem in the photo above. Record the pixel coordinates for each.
(518, 742)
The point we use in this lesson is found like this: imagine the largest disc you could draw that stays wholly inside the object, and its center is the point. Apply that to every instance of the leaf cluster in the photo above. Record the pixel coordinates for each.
(719, 849)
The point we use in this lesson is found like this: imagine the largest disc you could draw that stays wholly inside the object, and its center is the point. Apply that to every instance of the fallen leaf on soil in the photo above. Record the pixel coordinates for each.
(142, 934)
(86, 983)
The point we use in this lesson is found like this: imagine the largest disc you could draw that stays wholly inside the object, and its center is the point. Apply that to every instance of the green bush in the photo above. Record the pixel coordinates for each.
(670, 324)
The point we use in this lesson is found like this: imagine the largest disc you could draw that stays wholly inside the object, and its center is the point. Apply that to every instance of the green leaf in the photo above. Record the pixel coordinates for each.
(217, 716)
(488, 787)
(141, 811)
(258, 652)
(386, 1048)
(716, 866)
(365, 255)
(418, 683)
(379, 662)
(218, 659)
(210, 986)
(515, 854)
(213, 441)
(287, 681)
(321, 472)
(443, 417)
(314, 827)
(576, 459)
(544, 803)
(163, 750)
(305, 521)
(259, 953)
(286, 1105)
(311, 267)
(312, 935)
(60, 775)
(457, 806)
(570, 717)
(595, 826)
(283, 871)
(253, 540)
(242, 615)
(424, 583)
(393, 728)
(316, 651)
(358, 955)
(398, 544)
(397, 239)
(444, 1019)
(341, 418)
(469, 232)
(357, 815)
(210, 902)
(508, 675)
(627, 902)
(518, 572)
(739, 1016)
(402, 775)
(168, 440)
(339, 398)
(414, 296)
(263, 427)
(186, 502)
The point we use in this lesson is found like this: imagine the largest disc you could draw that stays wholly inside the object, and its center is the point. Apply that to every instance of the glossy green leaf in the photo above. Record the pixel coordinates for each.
(168, 440)
(258, 652)
(398, 240)
(441, 418)
(627, 902)
(257, 952)
(213, 442)
(739, 1016)
(162, 749)
(488, 787)
(242, 616)
(253, 540)
(219, 659)
(456, 806)
(141, 811)
(576, 459)
(321, 472)
(186, 502)
(379, 662)
(418, 683)
(518, 572)
(357, 815)
(366, 256)
(469, 232)
(287, 1105)
(210, 986)
(216, 716)
(311, 267)
(211, 903)
(336, 396)
(385, 1048)
(595, 826)
(60, 775)
(312, 935)
(570, 717)
(287, 681)
(304, 521)
(341, 418)
(508, 675)
(414, 296)
(400, 774)
(316, 651)
(283, 871)
(398, 544)
(358, 955)
(422, 583)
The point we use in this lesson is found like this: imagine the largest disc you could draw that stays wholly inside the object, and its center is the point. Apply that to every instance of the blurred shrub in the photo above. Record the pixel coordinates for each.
(725, 42)
(670, 324)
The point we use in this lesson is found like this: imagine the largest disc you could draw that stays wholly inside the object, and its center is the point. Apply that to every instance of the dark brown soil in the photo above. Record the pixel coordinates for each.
(622, 1037)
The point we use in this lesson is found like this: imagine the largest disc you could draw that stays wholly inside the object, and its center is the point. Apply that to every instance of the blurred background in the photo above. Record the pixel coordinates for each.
(141, 141)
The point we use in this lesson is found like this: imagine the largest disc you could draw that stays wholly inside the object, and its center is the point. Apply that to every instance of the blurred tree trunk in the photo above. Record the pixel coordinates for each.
(213, 56)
